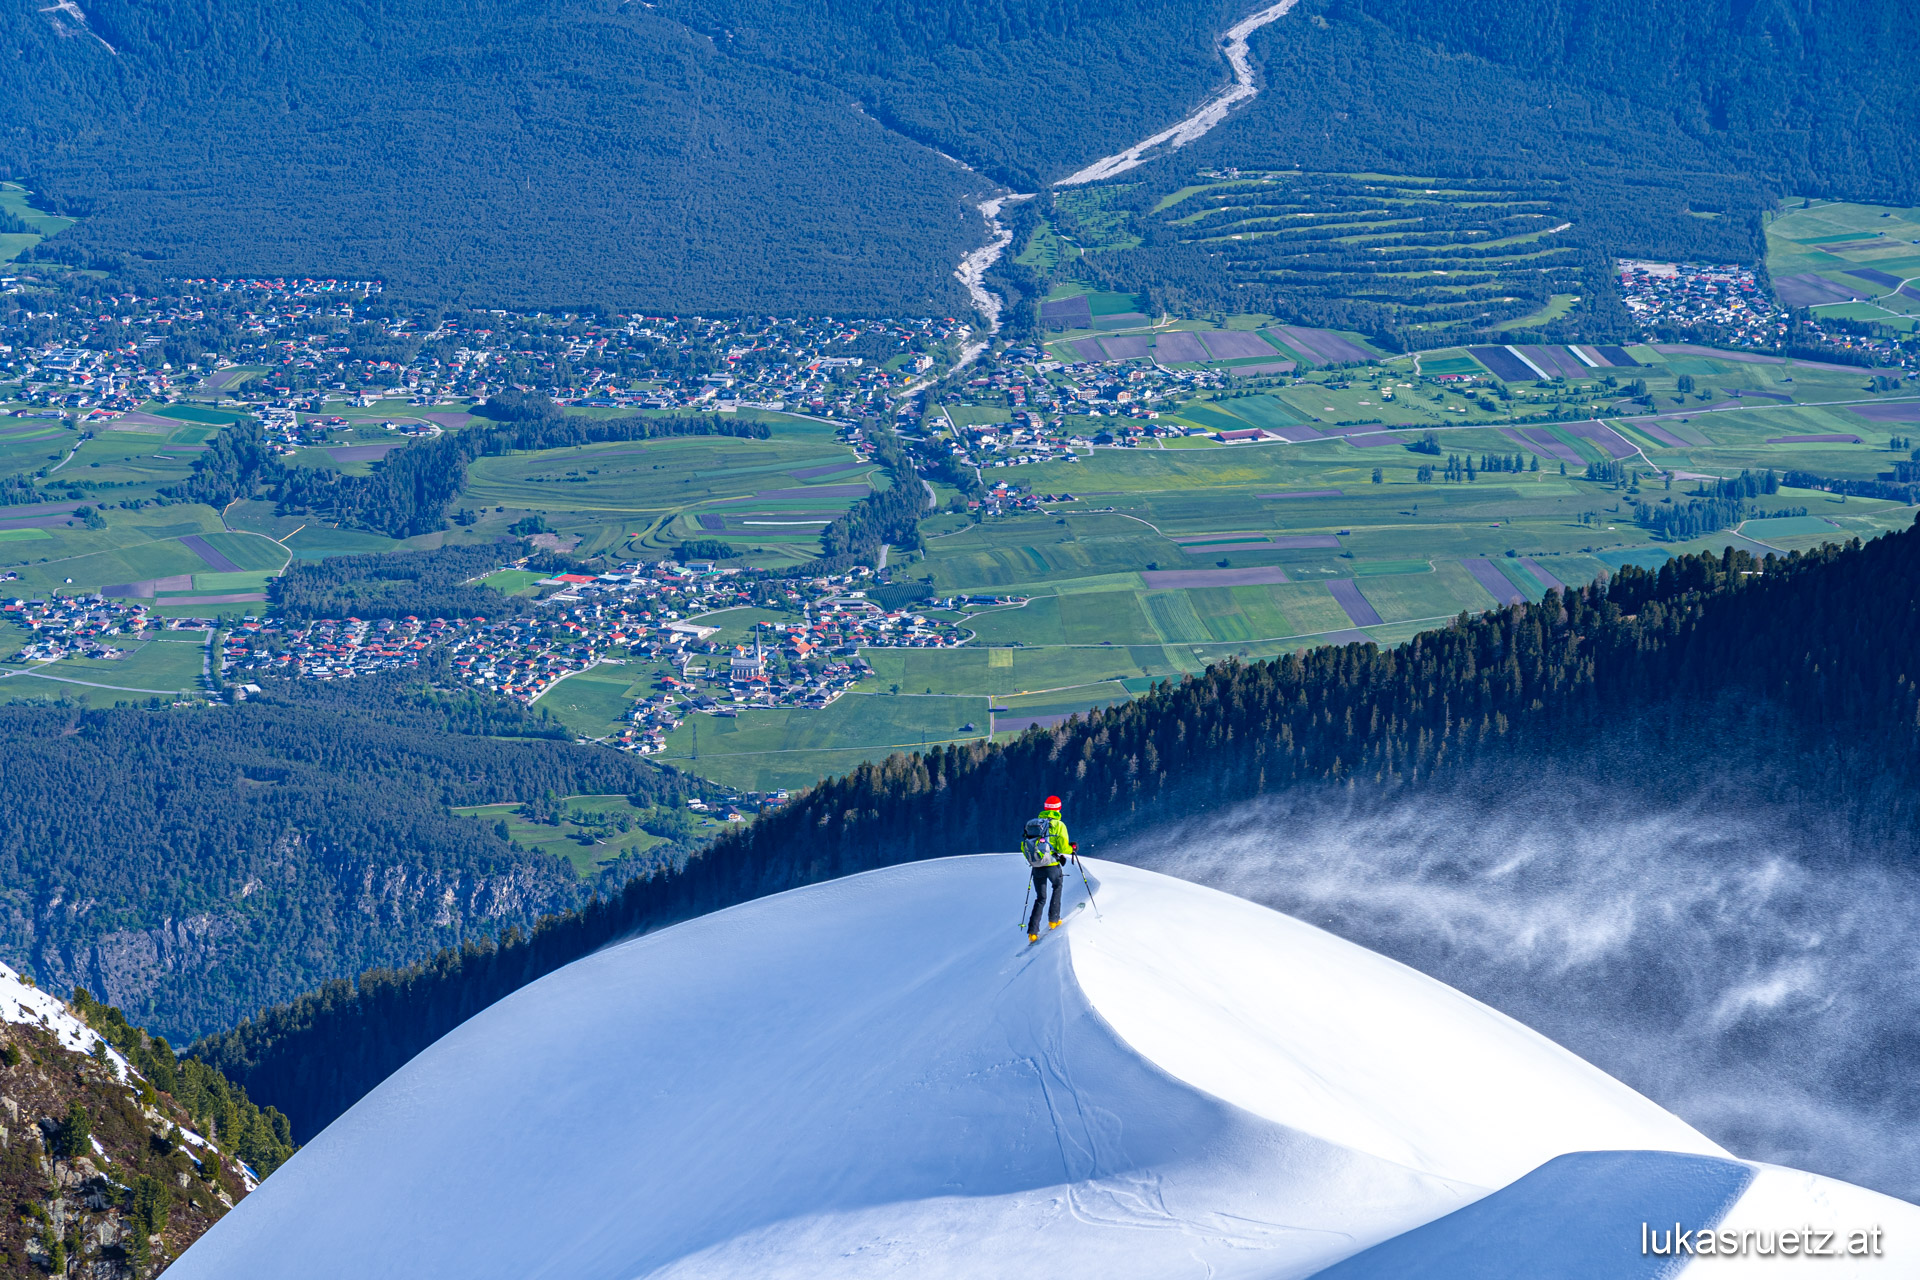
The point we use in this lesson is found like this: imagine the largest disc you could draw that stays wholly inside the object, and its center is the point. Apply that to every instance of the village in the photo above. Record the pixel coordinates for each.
(1682, 295)
(1729, 302)
(336, 342)
(802, 648)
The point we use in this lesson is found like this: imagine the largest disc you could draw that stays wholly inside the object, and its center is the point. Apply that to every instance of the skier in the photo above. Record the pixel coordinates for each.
(1047, 850)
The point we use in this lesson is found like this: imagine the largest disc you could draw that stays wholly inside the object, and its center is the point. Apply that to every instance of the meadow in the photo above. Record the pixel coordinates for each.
(170, 665)
(587, 831)
(766, 750)
(18, 201)
(641, 499)
(1853, 261)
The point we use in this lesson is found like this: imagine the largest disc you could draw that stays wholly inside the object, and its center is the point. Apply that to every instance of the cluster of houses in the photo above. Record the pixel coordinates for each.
(337, 340)
(79, 627)
(647, 614)
(82, 382)
(332, 648)
(1022, 378)
(1728, 299)
(283, 426)
(790, 674)
(1684, 295)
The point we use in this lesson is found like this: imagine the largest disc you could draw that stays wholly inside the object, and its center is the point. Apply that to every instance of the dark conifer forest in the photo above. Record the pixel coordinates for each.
(731, 157)
(1807, 660)
(192, 864)
(395, 585)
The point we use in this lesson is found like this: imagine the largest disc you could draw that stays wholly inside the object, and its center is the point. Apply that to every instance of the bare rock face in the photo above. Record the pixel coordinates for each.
(355, 912)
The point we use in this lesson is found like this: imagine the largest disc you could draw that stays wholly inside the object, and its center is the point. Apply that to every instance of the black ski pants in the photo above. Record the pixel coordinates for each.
(1042, 878)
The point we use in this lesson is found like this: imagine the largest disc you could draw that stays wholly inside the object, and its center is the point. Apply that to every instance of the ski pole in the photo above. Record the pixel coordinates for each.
(1086, 884)
(1024, 895)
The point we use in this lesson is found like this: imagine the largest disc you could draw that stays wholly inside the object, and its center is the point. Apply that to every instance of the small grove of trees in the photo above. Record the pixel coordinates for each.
(396, 584)
(413, 489)
(889, 517)
(703, 549)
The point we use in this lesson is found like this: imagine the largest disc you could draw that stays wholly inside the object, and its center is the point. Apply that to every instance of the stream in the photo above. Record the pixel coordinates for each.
(973, 269)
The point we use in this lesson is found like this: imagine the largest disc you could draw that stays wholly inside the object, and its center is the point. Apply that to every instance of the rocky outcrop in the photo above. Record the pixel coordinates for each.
(300, 912)
(106, 1177)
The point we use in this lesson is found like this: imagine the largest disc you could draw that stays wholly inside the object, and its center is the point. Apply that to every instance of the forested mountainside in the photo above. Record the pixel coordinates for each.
(1660, 130)
(111, 1165)
(503, 152)
(315, 821)
(493, 151)
(758, 155)
(1022, 90)
(1811, 654)
(1815, 94)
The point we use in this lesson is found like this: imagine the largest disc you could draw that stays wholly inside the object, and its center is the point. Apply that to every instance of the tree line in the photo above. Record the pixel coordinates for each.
(1820, 638)
(1907, 492)
(437, 583)
(413, 489)
(889, 517)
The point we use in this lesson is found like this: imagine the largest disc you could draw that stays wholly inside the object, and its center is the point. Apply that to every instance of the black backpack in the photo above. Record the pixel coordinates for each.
(1036, 846)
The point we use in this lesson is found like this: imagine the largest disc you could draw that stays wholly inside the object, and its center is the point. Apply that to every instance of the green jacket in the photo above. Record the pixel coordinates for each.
(1057, 835)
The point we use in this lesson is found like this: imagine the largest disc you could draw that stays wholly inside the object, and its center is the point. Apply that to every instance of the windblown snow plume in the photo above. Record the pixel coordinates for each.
(1732, 964)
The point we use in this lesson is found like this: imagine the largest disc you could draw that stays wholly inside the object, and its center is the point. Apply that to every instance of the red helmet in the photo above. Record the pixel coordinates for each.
(1053, 803)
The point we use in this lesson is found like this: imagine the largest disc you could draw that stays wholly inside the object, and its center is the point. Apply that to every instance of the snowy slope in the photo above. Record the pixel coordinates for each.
(875, 1077)
(33, 1007)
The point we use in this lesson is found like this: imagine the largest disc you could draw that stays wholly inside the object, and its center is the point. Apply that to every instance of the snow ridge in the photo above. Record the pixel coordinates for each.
(876, 1076)
(20, 1003)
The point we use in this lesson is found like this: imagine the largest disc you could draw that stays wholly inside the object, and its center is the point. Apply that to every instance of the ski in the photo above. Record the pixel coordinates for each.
(1040, 937)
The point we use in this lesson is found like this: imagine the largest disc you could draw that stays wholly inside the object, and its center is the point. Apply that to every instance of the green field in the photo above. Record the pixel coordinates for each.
(1094, 619)
(228, 583)
(595, 702)
(763, 750)
(1791, 527)
(318, 541)
(134, 546)
(168, 666)
(1831, 239)
(513, 582)
(18, 201)
(587, 834)
(199, 413)
(249, 552)
(642, 498)
(1557, 306)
